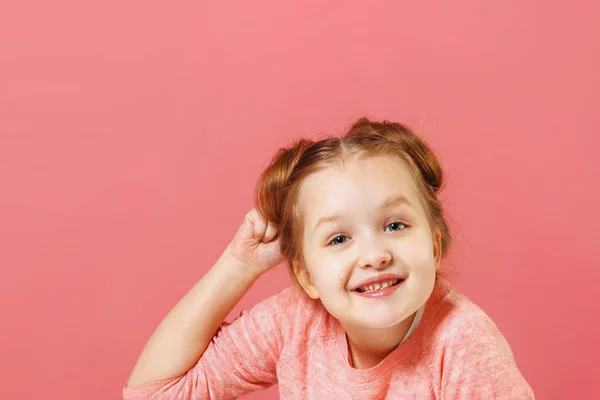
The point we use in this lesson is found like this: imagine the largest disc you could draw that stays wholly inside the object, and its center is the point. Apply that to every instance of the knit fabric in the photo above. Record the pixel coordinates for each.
(455, 352)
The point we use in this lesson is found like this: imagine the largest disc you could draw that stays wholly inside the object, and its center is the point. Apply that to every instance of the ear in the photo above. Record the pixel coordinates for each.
(303, 277)
(437, 248)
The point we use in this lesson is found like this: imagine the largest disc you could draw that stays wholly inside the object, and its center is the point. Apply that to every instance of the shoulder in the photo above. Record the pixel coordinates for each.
(458, 318)
(459, 326)
(290, 301)
(294, 313)
(467, 353)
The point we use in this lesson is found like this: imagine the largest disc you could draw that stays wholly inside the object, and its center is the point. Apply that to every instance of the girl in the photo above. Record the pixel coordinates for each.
(369, 316)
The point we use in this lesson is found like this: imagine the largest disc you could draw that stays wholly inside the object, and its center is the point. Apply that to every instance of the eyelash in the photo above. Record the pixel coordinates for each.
(330, 243)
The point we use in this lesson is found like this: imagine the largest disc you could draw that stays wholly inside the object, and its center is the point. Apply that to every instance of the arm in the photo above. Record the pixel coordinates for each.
(184, 334)
(183, 354)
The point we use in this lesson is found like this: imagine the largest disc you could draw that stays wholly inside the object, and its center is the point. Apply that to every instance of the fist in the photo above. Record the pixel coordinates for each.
(256, 244)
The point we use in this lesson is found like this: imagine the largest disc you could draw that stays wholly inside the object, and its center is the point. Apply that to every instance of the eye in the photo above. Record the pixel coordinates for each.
(395, 226)
(339, 239)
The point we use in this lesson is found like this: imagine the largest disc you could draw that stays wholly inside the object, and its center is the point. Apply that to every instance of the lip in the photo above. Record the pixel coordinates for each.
(378, 279)
(381, 292)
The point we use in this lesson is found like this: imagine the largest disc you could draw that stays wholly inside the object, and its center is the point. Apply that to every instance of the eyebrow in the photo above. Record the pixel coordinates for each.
(395, 201)
(387, 203)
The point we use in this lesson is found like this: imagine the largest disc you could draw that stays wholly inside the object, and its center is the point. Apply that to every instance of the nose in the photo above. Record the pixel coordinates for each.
(374, 255)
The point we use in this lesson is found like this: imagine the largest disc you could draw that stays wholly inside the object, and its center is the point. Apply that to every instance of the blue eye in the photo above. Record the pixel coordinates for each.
(395, 226)
(340, 239)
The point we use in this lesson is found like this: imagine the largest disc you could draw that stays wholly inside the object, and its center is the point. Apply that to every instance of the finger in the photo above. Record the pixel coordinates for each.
(259, 225)
(270, 233)
(246, 230)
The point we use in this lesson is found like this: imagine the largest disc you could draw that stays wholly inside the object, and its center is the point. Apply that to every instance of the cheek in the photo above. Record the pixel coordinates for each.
(327, 272)
(418, 254)
(423, 265)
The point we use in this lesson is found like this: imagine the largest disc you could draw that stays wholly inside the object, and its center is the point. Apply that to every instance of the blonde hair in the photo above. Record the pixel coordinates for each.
(276, 192)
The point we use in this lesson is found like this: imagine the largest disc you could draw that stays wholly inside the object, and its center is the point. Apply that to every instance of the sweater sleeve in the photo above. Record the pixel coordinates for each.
(478, 364)
(241, 358)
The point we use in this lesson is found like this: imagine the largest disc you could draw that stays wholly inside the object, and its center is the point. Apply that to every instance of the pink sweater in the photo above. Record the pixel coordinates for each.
(456, 352)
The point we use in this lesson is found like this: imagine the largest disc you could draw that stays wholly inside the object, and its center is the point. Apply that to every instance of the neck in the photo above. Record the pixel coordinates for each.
(369, 346)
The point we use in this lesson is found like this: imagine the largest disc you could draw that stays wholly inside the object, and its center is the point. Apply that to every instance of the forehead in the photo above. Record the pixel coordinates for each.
(356, 185)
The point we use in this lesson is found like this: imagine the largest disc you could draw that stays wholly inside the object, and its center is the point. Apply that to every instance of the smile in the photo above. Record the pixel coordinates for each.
(377, 286)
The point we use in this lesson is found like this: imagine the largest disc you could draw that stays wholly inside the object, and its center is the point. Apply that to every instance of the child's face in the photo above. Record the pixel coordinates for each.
(364, 220)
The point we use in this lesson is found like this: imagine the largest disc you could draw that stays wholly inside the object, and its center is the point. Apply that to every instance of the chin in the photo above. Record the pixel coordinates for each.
(383, 322)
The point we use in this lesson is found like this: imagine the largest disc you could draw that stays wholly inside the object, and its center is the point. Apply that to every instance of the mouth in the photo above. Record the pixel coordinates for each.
(377, 286)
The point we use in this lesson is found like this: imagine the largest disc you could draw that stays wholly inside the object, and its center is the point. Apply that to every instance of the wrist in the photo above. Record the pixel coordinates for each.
(238, 269)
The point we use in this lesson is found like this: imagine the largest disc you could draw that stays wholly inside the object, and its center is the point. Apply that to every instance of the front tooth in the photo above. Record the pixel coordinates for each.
(379, 286)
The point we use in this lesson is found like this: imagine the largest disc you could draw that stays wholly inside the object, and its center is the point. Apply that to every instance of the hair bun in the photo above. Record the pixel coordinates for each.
(428, 165)
(272, 186)
(365, 130)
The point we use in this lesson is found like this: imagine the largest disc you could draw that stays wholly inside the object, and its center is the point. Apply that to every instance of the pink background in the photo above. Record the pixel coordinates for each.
(132, 134)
